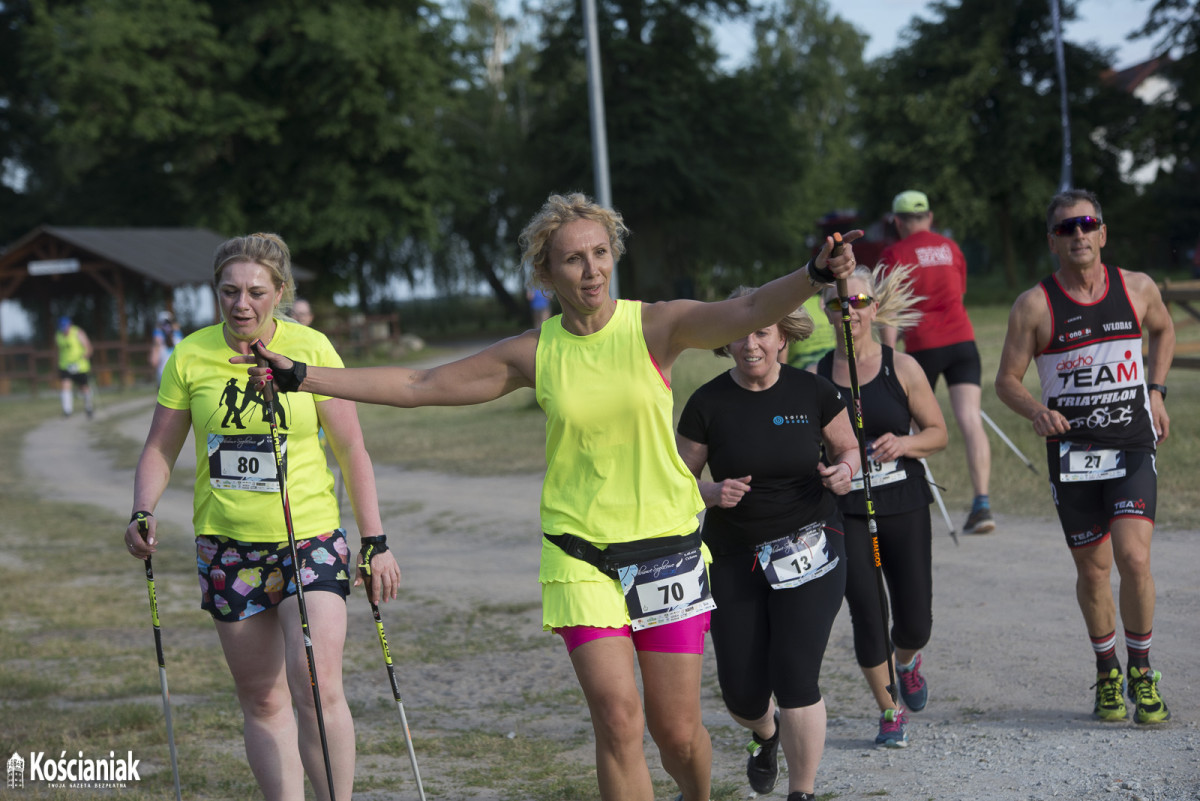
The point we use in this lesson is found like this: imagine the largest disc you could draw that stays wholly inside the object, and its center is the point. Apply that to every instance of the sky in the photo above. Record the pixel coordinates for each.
(1106, 22)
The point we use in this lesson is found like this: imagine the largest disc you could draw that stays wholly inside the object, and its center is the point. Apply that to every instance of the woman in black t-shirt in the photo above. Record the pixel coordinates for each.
(896, 400)
(778, 570)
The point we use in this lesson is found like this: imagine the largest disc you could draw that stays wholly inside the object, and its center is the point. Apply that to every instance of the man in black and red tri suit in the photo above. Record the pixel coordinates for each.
(1103, 415)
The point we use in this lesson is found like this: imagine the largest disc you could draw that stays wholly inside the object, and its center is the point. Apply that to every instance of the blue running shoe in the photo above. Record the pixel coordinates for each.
(893, 729)
(913, 687)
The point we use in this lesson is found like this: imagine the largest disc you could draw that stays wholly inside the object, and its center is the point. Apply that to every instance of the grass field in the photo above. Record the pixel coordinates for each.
(76, 671)
(507, 435)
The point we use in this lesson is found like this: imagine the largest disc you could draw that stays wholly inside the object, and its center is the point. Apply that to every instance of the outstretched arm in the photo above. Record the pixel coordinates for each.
(495, 371)
(672, 327)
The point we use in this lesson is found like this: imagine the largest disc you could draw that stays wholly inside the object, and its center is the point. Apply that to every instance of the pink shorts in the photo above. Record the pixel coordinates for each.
(684, 637)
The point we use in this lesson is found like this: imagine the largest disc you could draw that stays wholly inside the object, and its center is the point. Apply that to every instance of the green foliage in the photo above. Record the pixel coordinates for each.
(968, 111)
(319, 121)
(411, 140)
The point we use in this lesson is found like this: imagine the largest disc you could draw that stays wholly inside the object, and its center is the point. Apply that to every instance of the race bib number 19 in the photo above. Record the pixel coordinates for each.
(244, 462)
(882, 473)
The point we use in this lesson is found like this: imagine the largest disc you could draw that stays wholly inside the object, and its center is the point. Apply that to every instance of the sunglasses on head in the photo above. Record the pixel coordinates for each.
(1086, 224)
(860, 301)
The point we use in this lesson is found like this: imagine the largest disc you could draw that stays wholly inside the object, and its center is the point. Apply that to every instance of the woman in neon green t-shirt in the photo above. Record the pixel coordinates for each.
(247, 577)
(614, 481)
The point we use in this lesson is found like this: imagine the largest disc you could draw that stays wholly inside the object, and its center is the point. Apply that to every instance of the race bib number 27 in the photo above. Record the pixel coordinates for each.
(1080, 462)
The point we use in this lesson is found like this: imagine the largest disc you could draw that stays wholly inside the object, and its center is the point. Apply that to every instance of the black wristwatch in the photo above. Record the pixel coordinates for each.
(1162, 390)
(374, 544)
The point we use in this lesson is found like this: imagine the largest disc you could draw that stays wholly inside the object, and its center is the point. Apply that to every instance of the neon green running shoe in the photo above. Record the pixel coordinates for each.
(1109, 703)
(1143, 691)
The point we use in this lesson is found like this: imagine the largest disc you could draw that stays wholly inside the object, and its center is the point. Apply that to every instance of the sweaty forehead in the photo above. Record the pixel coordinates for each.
(247, 274)
(579, 235)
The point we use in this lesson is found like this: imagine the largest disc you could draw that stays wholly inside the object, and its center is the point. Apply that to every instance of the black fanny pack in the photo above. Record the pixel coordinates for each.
(622, 554)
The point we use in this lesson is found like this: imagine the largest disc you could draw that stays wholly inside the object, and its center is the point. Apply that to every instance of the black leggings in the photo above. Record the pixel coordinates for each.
(906, 553)
(770, 640)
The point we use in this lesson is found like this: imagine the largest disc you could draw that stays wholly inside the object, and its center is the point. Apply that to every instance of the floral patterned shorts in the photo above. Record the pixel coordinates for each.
(240, 579)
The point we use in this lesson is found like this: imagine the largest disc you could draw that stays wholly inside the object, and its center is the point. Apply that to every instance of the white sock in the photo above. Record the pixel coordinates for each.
(68, 401)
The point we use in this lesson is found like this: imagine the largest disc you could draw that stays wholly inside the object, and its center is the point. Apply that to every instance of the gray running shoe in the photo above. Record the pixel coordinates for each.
(980, 522)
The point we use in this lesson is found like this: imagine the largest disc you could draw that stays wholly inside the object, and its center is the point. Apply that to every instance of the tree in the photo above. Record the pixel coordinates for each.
(315, 120)
(707, 167)
(1170, 134)
(967, 110)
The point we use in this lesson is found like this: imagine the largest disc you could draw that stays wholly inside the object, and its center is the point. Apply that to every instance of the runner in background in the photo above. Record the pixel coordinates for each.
(943, 341)
(539, 304)
(74, 366)
(804, 353)
(779, 566)
(166, 337)
(1103, 414)
(302, 312)
(896, 401)
(618, 503)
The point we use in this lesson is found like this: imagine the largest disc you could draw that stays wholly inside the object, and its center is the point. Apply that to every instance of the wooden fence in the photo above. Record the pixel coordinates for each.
(1184, 294)
(26, 368)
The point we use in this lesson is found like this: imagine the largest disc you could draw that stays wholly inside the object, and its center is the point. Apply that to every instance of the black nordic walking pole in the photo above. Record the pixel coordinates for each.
(143, 529)
(856, 397)
(365, 570)
(281, 474)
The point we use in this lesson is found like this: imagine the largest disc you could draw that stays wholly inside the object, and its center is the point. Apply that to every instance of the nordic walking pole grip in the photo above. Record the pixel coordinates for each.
(144, 529)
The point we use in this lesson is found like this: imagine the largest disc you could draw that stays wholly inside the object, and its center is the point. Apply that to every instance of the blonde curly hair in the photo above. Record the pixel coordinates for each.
(557, 211)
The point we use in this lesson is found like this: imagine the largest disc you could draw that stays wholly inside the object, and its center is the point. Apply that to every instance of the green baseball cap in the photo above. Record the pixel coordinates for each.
(910, 202)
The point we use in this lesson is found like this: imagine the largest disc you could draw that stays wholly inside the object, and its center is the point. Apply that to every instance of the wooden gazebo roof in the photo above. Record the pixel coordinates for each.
(52, 262)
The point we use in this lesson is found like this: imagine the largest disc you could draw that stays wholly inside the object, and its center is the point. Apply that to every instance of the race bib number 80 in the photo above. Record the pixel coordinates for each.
(244, 462)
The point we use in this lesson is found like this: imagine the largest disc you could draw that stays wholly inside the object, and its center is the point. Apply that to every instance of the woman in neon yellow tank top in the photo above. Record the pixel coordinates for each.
(614, 481)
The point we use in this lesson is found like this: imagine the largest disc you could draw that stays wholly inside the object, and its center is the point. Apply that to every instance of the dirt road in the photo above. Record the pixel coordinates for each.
(1009, 665)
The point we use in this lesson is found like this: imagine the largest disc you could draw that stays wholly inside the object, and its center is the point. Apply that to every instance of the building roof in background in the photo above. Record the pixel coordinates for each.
(1129, 79)
(172, 257)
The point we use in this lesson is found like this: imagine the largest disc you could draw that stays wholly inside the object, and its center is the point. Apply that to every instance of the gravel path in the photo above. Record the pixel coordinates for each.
(1009, 665)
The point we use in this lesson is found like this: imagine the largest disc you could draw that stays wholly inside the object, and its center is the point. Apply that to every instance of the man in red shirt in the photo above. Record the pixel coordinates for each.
(943, 341)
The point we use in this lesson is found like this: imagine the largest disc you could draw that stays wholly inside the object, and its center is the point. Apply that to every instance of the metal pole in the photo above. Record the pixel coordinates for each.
(937, 496)
(1060, 59)
(596, 108)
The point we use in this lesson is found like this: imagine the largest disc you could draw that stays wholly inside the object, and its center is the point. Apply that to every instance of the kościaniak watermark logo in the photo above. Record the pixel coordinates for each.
(110, 772)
